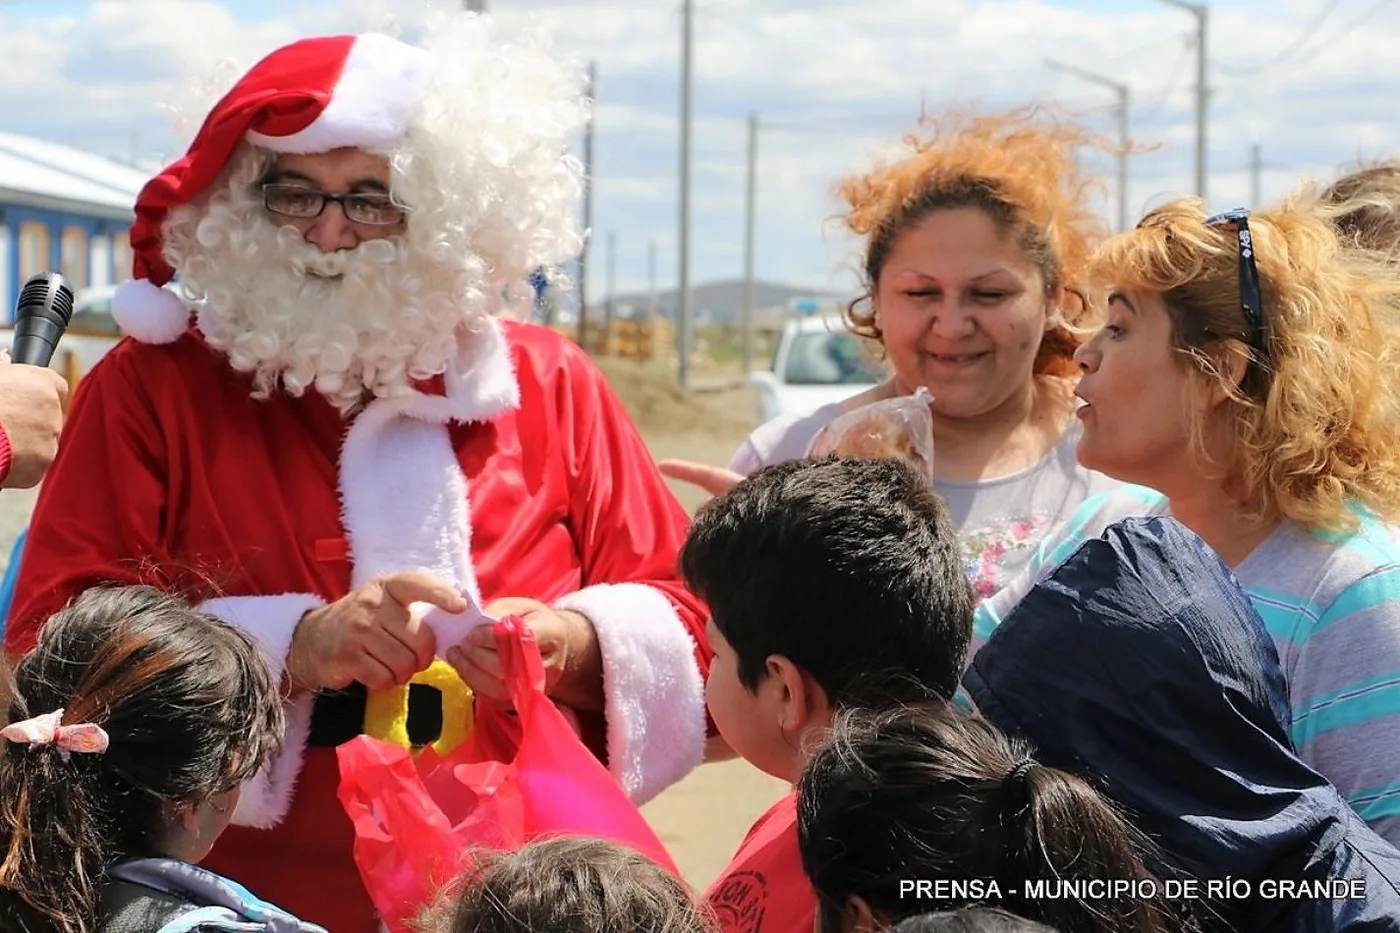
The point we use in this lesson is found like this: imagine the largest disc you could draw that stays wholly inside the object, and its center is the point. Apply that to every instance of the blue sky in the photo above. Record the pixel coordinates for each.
(833, 83)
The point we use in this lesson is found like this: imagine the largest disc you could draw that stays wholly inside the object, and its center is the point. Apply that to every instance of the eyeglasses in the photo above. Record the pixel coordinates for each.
(370, 208)
(1251, 299)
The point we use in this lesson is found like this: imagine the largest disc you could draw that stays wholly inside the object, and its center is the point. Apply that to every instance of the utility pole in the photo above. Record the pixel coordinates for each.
(1201, 12)
(1256, 173)
(1124, 144)
(750, 210)
(683, 296)
(653, 305)
(591, 93)
(609, 311)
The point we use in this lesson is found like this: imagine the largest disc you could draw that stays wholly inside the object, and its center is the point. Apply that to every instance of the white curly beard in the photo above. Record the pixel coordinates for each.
(363, 321)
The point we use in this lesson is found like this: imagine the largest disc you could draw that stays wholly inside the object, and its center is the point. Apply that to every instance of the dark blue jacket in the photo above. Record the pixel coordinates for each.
(1140, 664)
(164, 895)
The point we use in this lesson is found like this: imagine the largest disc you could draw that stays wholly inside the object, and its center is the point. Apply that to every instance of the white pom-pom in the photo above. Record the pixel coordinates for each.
(150, 314)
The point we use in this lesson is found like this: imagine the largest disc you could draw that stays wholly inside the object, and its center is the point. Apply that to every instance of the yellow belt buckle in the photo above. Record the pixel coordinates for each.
(386, 711)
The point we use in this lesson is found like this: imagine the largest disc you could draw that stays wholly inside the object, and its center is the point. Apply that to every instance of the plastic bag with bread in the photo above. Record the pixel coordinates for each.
(894, 428)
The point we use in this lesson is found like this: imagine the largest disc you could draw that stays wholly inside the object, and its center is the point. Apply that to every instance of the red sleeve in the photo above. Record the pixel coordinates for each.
(7, 454)
(629, 527)
(99, 514)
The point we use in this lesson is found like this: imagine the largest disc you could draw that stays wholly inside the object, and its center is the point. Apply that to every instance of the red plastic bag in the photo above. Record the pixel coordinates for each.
(514, 779)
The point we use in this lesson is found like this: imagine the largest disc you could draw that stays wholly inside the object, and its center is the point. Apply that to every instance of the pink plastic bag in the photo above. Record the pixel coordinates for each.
(514, 779)
(895, 428)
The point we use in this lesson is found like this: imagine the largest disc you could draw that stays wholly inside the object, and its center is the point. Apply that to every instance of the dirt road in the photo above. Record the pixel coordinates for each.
(703, 818)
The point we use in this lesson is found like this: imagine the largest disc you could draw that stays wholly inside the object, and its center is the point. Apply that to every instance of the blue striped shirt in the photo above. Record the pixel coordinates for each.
(1332, 605)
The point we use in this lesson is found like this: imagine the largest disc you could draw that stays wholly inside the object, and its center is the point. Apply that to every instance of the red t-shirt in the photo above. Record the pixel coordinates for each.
(764, 889)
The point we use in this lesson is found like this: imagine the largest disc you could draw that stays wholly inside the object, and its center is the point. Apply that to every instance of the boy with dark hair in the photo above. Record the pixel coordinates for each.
(832, 584)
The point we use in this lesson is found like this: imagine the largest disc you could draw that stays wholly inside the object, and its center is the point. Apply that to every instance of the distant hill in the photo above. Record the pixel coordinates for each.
(715, 302)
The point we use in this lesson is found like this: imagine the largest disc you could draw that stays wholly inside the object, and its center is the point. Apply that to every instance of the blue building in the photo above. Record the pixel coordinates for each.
(65, 211)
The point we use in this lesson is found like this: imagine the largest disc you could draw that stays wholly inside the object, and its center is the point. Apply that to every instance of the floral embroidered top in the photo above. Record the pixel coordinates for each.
(999, 520)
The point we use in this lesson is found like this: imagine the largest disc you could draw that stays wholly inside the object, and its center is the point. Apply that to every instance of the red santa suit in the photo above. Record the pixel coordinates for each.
(518, 473)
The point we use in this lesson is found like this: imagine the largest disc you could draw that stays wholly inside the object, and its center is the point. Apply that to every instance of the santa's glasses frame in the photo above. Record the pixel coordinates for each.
(371, 208)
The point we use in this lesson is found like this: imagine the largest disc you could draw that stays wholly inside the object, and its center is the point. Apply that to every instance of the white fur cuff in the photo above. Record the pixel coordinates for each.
(271, 621)
(654, 695)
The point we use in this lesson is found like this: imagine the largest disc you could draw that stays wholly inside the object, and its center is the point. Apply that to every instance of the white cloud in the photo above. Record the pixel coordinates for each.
(832, 81)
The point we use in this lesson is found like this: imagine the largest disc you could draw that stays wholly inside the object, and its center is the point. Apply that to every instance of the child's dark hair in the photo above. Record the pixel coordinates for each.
(565, 884)
(970, 920)
(849, 568)
(929, 792)
(190, 710)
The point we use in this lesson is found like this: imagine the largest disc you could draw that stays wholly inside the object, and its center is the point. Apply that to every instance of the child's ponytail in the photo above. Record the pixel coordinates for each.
(1070, 844)
(924, 808)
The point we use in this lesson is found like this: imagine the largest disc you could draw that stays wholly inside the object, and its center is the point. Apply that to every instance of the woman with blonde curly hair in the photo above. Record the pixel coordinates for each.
(1249, 374)
(975, 244)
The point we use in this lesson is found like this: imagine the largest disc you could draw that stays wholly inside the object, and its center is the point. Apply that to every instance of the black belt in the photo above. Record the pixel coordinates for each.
(338, 716)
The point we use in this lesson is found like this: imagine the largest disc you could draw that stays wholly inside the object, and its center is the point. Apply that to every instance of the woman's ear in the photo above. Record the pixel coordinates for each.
(1054, 308)
(1231, 361)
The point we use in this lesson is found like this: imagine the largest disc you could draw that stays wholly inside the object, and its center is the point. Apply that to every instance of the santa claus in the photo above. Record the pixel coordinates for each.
(348, 428)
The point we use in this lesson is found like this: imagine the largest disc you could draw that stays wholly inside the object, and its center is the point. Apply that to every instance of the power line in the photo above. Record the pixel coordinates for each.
(817, 124)
(1290, 50)
(1361, 20)
(1160, 98)
(1313, 52)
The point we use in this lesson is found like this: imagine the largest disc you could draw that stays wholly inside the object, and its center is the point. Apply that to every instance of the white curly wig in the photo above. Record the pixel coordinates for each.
(491, 189)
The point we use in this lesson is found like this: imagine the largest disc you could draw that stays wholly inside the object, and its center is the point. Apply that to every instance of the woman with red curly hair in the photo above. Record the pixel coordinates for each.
(975, 242)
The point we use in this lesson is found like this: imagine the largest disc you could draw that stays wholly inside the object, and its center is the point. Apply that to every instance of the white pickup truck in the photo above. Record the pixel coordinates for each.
(817, 362)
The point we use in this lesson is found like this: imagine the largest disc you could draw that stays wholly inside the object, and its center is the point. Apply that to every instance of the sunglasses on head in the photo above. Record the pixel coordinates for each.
(1251, 299)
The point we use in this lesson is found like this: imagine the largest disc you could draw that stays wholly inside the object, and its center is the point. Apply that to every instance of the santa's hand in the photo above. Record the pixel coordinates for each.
(714, 480)
(369, 636)
(573, 664)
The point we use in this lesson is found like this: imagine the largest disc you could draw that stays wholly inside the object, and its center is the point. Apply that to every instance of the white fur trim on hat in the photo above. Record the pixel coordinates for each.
(380, 88)
(150, 314)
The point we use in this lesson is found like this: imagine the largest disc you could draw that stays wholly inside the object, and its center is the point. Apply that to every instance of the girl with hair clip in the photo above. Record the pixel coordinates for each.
(927, 794)
(974, 250)
(131, 727)
(1247, 382)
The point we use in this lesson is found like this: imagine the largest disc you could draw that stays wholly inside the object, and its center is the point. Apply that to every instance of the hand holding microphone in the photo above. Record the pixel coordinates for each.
(32, 396)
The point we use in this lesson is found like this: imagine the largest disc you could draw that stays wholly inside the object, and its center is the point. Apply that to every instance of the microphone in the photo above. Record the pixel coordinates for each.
(44, 310)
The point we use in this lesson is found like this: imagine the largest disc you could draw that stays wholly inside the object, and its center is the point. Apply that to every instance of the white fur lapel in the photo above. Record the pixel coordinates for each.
(402, 489)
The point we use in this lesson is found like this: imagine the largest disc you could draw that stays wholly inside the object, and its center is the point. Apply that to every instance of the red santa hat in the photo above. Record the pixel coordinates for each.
(312, 96)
